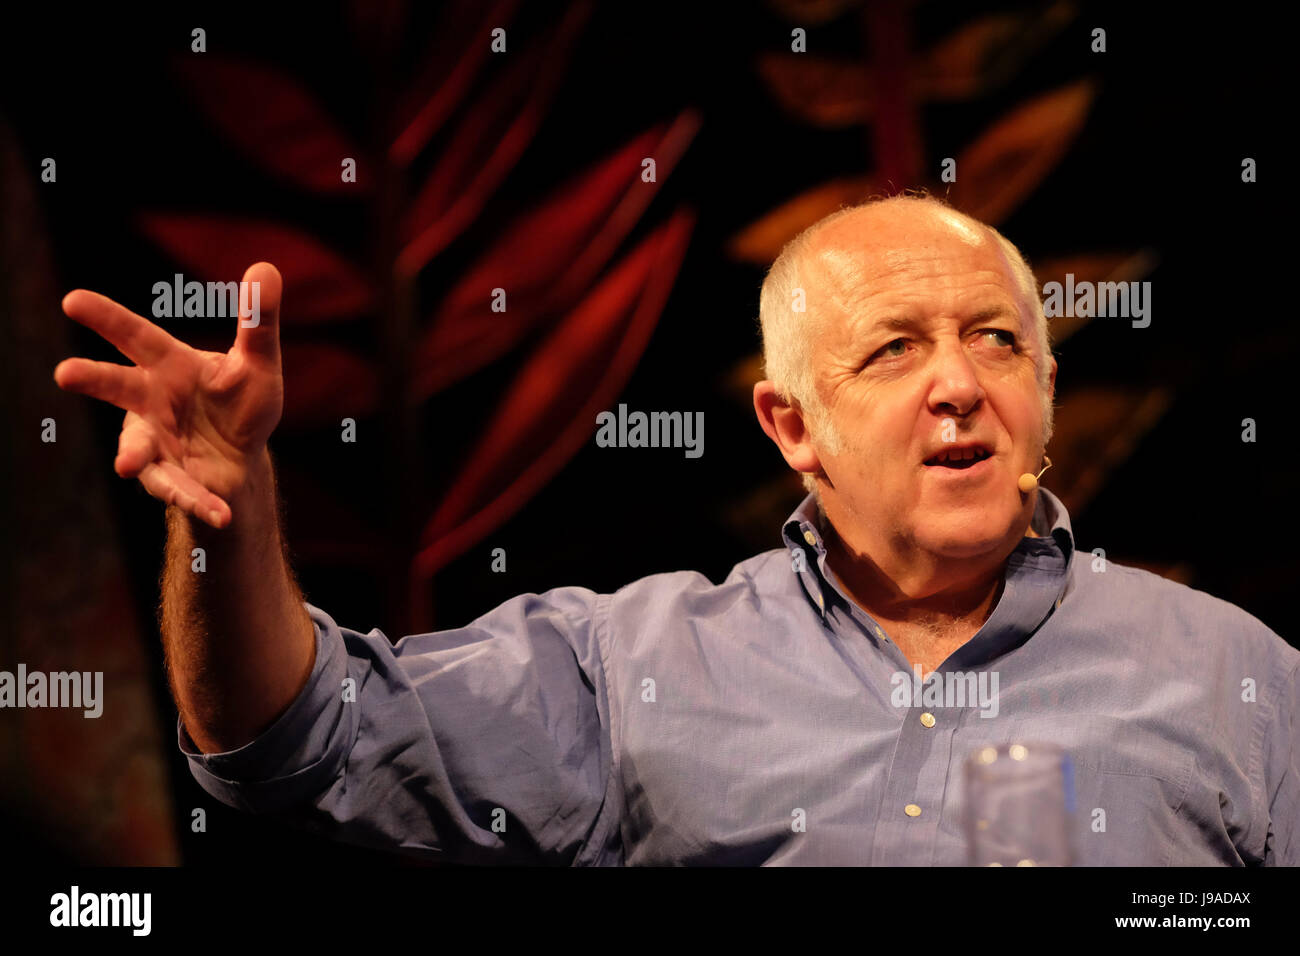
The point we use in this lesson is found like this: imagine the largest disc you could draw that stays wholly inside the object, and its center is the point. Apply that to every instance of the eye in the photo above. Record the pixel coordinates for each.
(1006, 338)
(888, 350)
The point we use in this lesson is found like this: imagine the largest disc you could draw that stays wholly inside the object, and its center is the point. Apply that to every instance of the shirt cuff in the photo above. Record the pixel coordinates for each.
(298, 756)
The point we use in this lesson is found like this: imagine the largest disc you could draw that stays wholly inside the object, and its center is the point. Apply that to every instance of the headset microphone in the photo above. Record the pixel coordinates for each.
(1029, 482)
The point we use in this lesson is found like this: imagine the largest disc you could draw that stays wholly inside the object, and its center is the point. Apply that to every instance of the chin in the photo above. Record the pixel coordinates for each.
(964, 536)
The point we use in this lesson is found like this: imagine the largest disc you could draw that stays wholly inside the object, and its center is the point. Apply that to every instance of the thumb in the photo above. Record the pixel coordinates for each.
(259, 312)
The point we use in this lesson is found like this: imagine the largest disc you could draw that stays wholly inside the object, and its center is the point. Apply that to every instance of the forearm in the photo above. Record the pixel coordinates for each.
(238, 642)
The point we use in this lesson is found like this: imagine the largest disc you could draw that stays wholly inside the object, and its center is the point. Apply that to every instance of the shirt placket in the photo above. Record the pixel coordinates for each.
(919, 782)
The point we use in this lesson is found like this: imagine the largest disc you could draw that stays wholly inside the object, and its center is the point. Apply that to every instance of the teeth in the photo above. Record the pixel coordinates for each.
(960, 454)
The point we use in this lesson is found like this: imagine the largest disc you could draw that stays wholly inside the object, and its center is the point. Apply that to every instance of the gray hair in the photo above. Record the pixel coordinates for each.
(788, 335)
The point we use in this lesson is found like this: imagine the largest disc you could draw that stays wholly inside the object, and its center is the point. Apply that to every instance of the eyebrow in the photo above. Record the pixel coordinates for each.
(898, 322)
(994, 312)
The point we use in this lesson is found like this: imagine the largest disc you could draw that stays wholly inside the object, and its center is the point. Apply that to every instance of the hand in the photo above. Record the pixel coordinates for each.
(196, 422)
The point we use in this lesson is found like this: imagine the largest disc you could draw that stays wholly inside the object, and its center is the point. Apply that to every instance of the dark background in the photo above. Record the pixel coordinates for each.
(1156, 166)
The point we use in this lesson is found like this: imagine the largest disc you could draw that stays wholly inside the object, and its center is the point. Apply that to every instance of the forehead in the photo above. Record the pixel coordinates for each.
(914, 258)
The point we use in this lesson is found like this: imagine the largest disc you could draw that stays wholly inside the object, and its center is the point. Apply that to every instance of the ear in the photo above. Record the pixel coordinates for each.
(1049, 424)
(784, 424)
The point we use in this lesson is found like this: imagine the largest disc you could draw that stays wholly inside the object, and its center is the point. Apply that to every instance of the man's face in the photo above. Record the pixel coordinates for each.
(927, 339)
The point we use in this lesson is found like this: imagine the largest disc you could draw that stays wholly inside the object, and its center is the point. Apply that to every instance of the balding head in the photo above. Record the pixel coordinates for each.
(844, 258)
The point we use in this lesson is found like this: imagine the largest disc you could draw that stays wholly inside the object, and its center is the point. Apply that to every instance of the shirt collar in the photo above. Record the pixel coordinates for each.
(1043, 562)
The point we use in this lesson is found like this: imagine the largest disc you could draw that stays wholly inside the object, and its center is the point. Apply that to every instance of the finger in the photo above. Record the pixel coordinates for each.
(134, 336)
(136, 447)
(171, 484)
(125, 386)
(259, 312)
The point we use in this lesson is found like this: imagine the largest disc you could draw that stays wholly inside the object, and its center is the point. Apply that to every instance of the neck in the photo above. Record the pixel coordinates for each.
(920, 589)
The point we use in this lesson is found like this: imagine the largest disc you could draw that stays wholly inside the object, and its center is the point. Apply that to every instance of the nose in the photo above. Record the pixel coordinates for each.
(955, 388)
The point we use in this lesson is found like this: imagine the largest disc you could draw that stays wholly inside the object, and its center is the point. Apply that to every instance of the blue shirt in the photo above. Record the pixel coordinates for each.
(759, 721)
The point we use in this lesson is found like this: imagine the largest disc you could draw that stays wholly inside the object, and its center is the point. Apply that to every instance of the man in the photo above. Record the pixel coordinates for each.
(774, 718)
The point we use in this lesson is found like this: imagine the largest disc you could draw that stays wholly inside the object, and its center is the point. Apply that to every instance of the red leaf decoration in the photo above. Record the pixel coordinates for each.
(323, 384)
(1012, 157)
(572, 235)
(450, 68)
(761, 242)
(1091, 267)
(550, 409)
(274, 121)
(983, 54)
(825, 92)
(319, 285)
(487, 144)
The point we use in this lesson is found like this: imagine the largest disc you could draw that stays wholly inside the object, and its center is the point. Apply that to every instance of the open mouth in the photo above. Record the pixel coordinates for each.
(959, 458)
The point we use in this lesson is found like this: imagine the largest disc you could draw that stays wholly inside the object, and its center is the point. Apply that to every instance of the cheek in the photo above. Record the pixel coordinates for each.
(1021, 414)
(877, 431)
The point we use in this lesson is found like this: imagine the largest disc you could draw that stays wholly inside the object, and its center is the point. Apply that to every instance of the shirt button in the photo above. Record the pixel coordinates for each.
(810, 537)
(927, 719)
(912, 810)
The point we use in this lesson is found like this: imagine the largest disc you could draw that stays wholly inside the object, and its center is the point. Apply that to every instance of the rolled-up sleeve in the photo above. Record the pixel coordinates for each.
(1282, 775)
(483, 744)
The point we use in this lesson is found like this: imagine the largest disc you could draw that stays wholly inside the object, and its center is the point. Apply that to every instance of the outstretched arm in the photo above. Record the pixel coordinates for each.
(238, 641)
